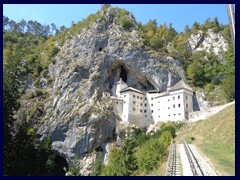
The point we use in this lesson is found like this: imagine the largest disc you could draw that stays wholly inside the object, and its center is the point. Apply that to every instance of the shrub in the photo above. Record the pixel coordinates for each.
(228, 86)
(36, 82)
(44, 72)
(166, 137)
(126, 23)
(209, 87)
(98, 167)
(116, 166)
(150, 154)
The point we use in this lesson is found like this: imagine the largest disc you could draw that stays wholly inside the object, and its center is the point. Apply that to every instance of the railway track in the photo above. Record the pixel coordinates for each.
(191, 163)
(174, 163)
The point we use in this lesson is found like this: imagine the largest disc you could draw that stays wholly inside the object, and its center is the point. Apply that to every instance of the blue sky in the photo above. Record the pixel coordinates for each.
(63, 14)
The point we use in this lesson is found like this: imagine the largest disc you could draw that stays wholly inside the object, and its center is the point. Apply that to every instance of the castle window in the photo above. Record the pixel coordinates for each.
(145, 98)
(159, 116)
(134, 96)
(174, 106)
(145, 115)
(134, 102)
(138, 97)
(179, 105)
(158, 101)
(186, 97)
(179, 113)
(140, 110)
(168, 107)
(117, 102)
(124, 101)
(169, 115)
(151, 116)
(125, 95)
(168, 99)
(178, 97)
(145, 104)
(151, 98)
(174, 114)
(145, 111)
(141, 104)
(173, 97)
(134, 109)
(152, 111)
(186, 105)
(151, 104)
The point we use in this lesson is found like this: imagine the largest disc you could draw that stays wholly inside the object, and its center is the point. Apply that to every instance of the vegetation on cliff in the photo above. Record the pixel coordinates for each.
(29, 49)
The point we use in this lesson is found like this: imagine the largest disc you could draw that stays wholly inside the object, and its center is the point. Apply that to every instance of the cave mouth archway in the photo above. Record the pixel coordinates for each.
(119, 70)
(61, 164)
(123, 74)
(116, 72)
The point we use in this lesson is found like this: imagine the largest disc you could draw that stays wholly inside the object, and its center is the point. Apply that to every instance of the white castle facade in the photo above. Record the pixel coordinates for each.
(144, 108)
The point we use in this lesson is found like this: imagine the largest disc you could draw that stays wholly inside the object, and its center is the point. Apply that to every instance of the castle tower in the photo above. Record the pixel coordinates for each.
(119, 86)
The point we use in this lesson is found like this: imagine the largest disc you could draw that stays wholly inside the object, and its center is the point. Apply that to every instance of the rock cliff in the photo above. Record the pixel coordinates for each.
(210, 41)
(73, 112)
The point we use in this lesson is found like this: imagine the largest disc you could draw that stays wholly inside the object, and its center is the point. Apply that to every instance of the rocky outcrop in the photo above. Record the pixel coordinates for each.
(210, 42)
(71, 109)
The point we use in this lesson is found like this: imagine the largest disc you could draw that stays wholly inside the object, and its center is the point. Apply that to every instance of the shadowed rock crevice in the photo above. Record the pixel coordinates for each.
(123, 74)
(120, 70)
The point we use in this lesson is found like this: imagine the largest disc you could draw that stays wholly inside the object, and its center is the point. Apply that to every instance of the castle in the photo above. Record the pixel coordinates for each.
(145, 108)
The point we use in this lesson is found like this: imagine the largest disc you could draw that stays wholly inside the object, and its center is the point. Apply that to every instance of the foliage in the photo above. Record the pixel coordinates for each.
(74, 168)
(158, 37)
(150, 154)
(209, 87)
(116, 165)
(10, 104)
(214, 25)
(36, 159)
(140, 136)
(166, 137)
(126, 23)
(228, 82)
(130, 160)
(98, 167)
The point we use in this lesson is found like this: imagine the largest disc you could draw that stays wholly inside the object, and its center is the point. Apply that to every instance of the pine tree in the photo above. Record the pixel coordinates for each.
(128, 146)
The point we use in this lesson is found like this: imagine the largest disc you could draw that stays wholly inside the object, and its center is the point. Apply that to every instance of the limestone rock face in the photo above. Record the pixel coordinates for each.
(75, 115)
(211, 42)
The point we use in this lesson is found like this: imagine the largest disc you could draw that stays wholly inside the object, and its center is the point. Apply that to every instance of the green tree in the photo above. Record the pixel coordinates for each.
(187, 31)
(98, 167)
(10, 104)
(195, 27)
(166, 137)
(116, 164)
(130, 161)
(228, 82)
(150, 154)
(195, 74)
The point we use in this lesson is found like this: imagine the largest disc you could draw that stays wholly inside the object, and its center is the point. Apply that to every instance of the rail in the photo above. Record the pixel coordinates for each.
(194, 171)
(169, 158)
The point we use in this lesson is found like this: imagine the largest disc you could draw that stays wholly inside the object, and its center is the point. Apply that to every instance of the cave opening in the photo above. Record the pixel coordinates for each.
(123, 74)
(99, 149)
(100, 49)
(61, 164)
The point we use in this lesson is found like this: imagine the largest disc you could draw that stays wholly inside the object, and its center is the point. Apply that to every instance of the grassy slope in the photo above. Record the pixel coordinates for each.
(215, 138)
